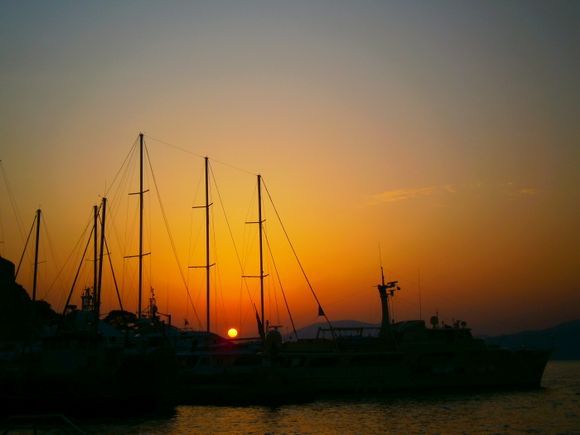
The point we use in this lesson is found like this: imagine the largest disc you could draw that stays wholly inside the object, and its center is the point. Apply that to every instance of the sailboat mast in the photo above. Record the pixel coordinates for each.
(140, 223)
(100, 281)
(207, 265)
(38, 212)
(95, 253)
(260, 230)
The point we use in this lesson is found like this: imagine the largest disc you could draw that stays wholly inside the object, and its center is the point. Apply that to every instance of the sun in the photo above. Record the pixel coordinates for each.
(232, 332)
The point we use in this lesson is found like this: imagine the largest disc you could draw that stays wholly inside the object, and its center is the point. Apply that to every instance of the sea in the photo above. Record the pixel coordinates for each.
(552, 409)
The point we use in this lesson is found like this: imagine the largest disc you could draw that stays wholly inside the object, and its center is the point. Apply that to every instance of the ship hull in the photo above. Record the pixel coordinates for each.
(304, 376)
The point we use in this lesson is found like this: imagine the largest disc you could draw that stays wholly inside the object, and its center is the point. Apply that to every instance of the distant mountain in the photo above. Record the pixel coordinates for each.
(564, 339)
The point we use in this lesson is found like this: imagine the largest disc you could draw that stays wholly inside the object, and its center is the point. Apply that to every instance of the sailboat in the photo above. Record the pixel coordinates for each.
(75, 363)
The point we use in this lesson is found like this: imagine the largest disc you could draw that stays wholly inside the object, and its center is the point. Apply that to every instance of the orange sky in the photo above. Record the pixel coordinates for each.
(446, 133)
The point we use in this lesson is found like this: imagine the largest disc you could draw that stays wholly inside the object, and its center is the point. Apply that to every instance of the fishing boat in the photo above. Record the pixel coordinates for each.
(405, 356)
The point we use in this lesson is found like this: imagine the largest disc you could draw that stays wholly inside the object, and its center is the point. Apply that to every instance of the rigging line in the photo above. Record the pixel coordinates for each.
(277, 304)
(130, 222)
(148, 223)
(174, 146)
(133, 147)
(240, 305)
(200, 156)
(280, 284)
(115, 205)
(78, 271)
(190, 246)
(217, 275)
(52, 253)
(217, 278)
(112, 269)
(191, 220)
(237, 168)
(230, 232)
(271, 288)
(13, 203)
(124, 171)
(419, 291)
(170, 236)
(25, 246)
(2, 233)
(248, 242)
(74, 250)
(297, 259)
(192, 255)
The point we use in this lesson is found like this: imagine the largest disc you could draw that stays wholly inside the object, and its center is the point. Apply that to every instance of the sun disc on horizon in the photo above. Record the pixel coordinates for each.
(232, 332)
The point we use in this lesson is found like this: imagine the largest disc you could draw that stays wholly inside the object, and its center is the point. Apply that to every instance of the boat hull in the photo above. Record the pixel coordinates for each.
(305, 376)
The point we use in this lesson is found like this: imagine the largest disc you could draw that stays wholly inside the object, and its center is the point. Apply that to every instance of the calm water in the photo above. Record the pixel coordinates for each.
(553, 409)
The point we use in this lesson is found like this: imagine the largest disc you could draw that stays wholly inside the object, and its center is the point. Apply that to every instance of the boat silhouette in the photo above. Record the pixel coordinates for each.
(405, 356)
(140, 360)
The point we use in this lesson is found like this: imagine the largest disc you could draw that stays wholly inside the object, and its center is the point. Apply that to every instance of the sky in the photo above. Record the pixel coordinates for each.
(440, 139)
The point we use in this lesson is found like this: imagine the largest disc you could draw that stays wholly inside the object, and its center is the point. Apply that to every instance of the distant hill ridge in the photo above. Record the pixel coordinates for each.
(564, 338)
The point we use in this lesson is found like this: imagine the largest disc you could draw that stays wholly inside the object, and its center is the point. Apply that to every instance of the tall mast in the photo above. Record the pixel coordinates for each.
(140, 254)
(207, 265)
(260, 221)
(260, 230)
(100, 281)
(140, 223)
(38, 212)
(95, 253)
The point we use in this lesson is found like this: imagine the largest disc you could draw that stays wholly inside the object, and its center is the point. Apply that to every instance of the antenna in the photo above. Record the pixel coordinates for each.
(38, 213)
(419, 288)
(381, 264)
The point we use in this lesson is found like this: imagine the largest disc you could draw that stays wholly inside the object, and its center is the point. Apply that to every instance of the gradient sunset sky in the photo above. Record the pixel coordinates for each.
(447, 132)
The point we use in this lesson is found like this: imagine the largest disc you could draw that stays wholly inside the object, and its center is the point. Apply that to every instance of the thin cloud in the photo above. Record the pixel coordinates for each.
(406, 194)
(398, 195)
(511, 189)
(528, 191)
